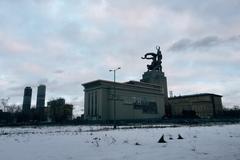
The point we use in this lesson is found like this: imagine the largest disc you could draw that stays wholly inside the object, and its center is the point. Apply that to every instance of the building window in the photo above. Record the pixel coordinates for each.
(88, 106)
(96, 103)
(91, 103)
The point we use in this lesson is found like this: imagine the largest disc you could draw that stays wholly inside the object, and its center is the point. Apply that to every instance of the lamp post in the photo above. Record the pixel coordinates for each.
(114, 95)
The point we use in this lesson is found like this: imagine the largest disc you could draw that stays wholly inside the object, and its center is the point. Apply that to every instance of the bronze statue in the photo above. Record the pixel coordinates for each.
(156, 60)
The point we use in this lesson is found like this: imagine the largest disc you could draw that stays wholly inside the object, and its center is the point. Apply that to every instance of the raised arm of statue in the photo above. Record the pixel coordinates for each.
(150, 56)
(156, 60)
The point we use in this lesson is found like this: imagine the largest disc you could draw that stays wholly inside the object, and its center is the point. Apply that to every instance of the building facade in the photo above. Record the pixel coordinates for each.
(204, 105)
(58, 111)
(27, 99)
(41, 93)
(133, 100)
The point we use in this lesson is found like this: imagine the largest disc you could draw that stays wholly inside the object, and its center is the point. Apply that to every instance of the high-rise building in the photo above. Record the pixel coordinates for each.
(41, 93)
(27, 99)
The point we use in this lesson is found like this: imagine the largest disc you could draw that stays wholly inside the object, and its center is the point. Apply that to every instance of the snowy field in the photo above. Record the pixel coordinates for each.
(219, 142)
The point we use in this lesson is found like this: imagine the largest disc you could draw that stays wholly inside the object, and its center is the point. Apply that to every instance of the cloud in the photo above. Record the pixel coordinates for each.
(207, 42)
(59, 71)
(65, 43)
(12, 45)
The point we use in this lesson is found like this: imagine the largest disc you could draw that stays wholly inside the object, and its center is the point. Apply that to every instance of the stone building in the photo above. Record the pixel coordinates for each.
(134, 100)
(147, 99)
(106, 100)
(203, 105)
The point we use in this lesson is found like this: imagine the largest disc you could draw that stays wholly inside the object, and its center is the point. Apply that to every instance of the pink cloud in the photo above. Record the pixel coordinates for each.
(11, 45)
(34, 68)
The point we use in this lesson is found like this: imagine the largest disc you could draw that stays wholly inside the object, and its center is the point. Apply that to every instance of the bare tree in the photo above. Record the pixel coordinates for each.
(13, 108)
(4, 102)
(236, 107)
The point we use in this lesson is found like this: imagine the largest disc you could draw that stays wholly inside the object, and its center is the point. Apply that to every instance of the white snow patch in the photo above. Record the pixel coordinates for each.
(221, 142)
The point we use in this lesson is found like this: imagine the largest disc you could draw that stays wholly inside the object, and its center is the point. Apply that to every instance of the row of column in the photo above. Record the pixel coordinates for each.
(92, 103)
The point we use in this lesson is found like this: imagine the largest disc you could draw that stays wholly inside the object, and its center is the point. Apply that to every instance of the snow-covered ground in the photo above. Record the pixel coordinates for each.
(220, 142)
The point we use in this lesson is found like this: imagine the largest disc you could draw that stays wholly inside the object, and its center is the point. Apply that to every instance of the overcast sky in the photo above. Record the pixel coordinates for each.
(66, 43)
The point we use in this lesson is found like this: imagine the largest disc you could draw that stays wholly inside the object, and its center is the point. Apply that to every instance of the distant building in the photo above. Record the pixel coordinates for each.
(58, 111)
(27, 100)
(41, 93)
(204, 105)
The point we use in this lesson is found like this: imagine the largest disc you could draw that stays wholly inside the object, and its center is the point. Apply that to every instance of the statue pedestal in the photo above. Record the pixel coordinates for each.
(156, 77)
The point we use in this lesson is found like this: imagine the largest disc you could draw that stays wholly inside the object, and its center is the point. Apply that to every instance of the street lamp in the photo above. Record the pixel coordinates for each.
(114, 95)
